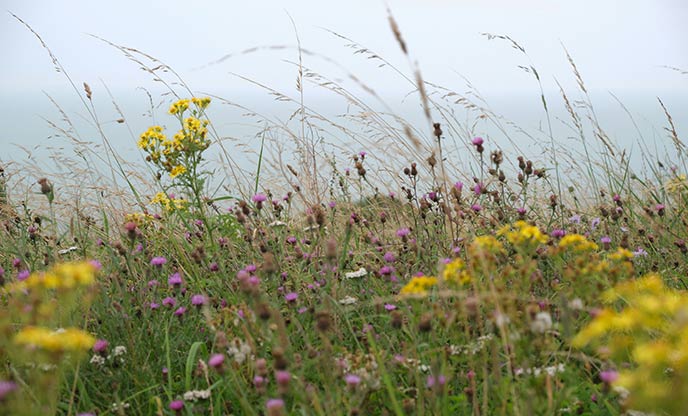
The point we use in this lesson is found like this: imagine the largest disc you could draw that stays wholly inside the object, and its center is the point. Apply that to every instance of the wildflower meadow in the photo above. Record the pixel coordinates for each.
(424, 270)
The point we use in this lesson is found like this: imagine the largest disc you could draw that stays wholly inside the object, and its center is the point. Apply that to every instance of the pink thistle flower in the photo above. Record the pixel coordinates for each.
(158, 261)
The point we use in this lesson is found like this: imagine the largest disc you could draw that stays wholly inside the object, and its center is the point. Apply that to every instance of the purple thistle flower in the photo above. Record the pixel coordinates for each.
(478, 189)
(154, 306)
(352, 380)
(216, 360)
(389, 257)
(594, 223)
(180, 311)
(96, 264)
(258, 381)
(609, 376)
(175, 280)
(639, 252)
(198, 300)
(23, 275)
(403, 232)
(386, 270)
(176, 405)
(168, 301)
(291, 296)
(274, 405)
(6, 387)
(282, 377)
(557, 233)
(100, 346)
(259, 198)
(158, 261)
(458, 186)
(477, 141)
(476, 207)
(390, 307)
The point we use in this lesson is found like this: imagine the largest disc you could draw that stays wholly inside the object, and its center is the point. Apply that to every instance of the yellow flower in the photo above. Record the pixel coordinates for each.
(577, 242)
(177, 170)
(455, 271)
(169, 204)
(201, 103)
(418, 285)
(523, 234)
(620, 254)
(61, 276)
(151, 138)
(677, 184)
(180, 106)
(489, 243)
(70, 339)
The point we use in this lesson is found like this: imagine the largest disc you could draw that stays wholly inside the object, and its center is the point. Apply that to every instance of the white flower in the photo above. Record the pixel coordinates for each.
(424, 368)
(349, 300)
(192, 396)
(118, 407)
(541, 323)
(68, 250)
(502, 319)
(239, 351)
(277, 224)
(576, 304)
(119, 350)
(358, 273)
(97, 360)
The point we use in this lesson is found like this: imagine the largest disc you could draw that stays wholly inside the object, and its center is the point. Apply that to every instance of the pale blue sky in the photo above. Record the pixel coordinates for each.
(617, 44)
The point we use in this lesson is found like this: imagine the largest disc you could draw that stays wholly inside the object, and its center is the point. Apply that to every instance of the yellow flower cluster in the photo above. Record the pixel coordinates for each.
(151, 139)
(577, 243)
(70, 339)
(176, 155)
(522, 233)
(487, 243)
(139, 218)
(169, 204)
(455, 271)
(418, 286)
(180, 106)
(620, 254)
(677, 184)
(651, 331)
(61, 276)
(201, 103)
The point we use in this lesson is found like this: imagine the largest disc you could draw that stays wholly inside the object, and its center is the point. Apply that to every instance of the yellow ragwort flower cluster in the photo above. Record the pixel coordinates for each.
(62, 340)
(418, 286)
(173, 155)
(455, 272)
(522, 233)
(168, 203)
(61, 276)
(577, 243)
(650, 330)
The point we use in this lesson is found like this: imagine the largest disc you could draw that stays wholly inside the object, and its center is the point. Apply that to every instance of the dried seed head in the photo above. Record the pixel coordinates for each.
(323, 321)
(425, 324)
(437, 131)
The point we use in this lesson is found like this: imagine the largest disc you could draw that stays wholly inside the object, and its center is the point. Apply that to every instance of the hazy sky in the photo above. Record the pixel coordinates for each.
(617, 44)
